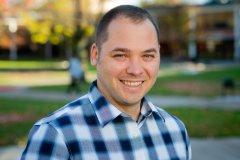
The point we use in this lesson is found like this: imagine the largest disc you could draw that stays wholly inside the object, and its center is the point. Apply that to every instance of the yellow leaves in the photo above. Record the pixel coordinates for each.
(58, 28)
(45, 30)
(40, 30)
(39, 38)
(54, 39)
(68, 31)
(63, 6)
(89, 30)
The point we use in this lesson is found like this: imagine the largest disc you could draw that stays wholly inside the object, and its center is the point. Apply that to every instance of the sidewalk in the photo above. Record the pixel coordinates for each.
(216, 149)
(202, 149)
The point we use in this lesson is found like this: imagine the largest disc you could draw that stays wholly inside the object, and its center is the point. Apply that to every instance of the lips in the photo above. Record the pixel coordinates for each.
(132, 83)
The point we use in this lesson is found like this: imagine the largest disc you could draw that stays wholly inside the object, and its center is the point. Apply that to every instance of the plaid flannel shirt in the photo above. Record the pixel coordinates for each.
(90, 128)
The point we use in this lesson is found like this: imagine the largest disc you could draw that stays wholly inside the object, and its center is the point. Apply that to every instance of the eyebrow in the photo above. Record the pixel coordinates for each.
(150, 50)
(120, 50)
(128, 50)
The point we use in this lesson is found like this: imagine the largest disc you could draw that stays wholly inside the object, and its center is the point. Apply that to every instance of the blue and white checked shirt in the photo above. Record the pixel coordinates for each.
(90, 128)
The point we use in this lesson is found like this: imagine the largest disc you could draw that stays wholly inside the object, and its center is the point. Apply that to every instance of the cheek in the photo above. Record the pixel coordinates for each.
(152, 70)
(113, 66)
(110, 69)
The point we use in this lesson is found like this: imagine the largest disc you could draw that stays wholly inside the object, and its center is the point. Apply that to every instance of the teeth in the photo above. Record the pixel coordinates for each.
(132, 84)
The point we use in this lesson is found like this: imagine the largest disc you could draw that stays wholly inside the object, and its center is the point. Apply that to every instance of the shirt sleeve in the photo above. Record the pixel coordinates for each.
(45, 142)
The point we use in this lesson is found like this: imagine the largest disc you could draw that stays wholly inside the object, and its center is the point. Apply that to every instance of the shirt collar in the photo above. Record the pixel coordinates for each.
(106, 112)
(148, 109)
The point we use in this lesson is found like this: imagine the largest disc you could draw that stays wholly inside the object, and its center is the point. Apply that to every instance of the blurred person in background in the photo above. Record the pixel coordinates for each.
(115, 120)
(76, 74)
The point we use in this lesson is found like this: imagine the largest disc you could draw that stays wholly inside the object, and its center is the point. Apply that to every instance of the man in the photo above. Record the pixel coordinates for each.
(114, 120)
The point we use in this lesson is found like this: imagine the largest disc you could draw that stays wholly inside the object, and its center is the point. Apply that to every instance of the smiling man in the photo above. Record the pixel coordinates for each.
(127, 62)
(115, 120)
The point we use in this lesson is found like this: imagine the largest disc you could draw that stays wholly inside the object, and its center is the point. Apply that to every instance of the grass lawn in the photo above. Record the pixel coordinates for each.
(206, 83)
(209, 122)
(18, 115)
(30, 64)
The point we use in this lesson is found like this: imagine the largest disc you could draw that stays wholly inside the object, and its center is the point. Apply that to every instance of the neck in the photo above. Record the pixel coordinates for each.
(133, 111)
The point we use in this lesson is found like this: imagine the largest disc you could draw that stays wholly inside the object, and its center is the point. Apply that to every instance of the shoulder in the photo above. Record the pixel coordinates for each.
(176, 128)
(61, 116)
(171, 121)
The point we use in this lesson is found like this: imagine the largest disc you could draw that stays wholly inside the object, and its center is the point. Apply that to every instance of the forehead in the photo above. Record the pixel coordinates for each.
(122, 22)
(126, 32)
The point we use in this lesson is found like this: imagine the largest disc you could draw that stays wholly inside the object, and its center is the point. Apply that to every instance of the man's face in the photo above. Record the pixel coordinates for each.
(128, 62)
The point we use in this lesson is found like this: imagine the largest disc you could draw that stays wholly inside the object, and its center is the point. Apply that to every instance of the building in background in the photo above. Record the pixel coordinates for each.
(209, 31)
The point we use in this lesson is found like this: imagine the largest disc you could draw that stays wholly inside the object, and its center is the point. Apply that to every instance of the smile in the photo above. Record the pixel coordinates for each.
(131, 83)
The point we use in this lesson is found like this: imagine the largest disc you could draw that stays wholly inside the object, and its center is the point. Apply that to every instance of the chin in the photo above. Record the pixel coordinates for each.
(132, 100)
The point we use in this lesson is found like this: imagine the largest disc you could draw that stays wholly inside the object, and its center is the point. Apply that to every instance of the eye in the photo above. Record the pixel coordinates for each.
(120, 57)
(148, 57)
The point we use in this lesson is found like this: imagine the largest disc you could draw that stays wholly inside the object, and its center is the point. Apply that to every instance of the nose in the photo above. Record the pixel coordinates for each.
(135, 67)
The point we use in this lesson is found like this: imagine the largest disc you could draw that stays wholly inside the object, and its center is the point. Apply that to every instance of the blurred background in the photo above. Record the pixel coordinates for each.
(199, 78)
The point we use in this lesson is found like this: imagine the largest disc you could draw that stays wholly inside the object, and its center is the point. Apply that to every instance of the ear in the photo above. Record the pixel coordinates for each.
(94, 54)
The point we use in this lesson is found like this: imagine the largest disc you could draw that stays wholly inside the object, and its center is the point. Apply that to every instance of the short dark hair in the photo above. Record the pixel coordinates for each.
(134, 13)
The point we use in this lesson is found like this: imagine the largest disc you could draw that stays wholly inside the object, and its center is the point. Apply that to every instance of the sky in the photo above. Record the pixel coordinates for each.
(114, 3)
